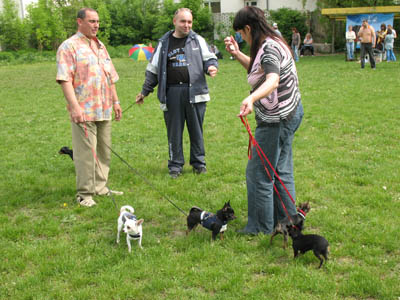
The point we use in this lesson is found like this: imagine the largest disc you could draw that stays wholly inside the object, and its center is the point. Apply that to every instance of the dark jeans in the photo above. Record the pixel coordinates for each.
(367, 48)
(181, 111)
(264, 206)
(307, 47)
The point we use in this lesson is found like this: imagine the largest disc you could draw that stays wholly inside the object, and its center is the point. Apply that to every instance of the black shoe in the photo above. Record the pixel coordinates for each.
(200, 170)
(245, 232)
(174, 174)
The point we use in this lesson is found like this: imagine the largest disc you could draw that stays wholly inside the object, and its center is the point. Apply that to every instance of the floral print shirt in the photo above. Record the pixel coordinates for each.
(87, 64)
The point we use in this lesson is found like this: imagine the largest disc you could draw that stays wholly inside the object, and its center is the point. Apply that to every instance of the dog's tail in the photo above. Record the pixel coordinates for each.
(127, 208)
(195, 208)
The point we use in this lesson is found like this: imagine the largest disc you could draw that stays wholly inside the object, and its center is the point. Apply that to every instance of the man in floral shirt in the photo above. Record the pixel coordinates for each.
(87, 78)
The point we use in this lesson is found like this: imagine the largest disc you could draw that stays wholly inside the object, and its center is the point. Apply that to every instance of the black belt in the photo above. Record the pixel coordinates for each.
(178, 84)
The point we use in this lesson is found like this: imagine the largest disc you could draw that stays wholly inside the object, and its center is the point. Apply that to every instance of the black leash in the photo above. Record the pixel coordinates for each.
(138, 173)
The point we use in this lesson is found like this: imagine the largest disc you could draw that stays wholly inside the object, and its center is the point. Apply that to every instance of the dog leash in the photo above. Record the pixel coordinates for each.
(98, 165)
(264, 158)
(96, 158)
(134, 171)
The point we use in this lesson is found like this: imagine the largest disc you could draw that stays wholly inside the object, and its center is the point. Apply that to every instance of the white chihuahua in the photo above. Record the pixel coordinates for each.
(132, 226)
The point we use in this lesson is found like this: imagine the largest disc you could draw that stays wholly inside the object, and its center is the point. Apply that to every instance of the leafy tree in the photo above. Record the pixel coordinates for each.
(354, 3)
(12, 29)
(45, 25)
(132, 20)
(287, 19)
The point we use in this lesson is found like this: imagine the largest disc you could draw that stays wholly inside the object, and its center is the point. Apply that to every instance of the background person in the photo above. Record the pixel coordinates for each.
(389, 41)
(350, 37)
(178, 66)
(295, 43)
(275, 26)
(366, 35)
(87, 78)
(380, 44)
(276, 100)
(307, 44)
(393, 31)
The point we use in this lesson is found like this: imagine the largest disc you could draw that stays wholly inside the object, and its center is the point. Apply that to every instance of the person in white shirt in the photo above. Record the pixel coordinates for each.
(393, 31)
(350, 37)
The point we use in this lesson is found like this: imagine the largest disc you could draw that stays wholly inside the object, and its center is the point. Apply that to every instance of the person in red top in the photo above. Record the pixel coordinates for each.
(366, 35)
(87, 78)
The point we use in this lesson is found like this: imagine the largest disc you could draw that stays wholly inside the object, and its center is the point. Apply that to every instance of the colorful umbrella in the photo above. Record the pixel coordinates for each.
(140, 52)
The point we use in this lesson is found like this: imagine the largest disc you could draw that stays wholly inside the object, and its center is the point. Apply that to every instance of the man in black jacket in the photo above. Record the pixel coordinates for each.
(178, 66)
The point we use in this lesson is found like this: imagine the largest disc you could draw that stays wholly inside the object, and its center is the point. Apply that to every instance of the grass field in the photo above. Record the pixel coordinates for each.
(346, 164)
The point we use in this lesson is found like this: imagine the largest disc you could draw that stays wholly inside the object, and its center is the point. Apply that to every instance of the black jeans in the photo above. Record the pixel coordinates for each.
(367, 48)
(181, 111)
(307, 47)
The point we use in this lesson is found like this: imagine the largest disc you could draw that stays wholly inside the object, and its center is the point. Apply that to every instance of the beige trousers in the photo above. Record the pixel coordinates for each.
(91, 175)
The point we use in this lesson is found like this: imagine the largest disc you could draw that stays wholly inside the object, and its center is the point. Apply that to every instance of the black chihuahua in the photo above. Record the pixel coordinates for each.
(67, 151)
(217, 223)
(296, 220)
(305, 242)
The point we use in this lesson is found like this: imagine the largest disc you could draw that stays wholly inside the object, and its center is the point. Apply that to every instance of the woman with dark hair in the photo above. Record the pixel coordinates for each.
(276, 100)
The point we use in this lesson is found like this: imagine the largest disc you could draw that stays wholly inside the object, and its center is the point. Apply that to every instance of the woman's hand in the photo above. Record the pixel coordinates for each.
(247, 106)
(231, 46)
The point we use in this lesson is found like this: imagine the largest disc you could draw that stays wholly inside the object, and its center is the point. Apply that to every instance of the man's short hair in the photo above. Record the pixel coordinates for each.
(365, 20)
(182, 9)
(82, 12)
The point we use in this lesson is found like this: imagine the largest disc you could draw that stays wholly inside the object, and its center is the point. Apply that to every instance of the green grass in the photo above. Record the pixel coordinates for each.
(346, 164)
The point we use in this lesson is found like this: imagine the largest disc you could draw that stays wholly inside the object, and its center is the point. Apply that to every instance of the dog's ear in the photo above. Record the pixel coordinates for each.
(139, 222)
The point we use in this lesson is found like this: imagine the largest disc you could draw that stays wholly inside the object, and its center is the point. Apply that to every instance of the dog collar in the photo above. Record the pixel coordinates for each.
(301, 213)
(134, 236)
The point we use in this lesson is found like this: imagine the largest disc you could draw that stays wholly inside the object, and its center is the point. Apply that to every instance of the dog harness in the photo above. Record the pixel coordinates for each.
(207, 219)
(128, 215)
(301, 213)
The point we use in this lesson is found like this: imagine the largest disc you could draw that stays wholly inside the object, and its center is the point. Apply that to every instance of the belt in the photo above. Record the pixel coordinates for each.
(178, 84)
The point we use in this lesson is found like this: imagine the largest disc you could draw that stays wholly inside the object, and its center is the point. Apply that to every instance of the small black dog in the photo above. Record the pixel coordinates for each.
(305, 242)
(296, 220)
(217, 223)
(66, 150)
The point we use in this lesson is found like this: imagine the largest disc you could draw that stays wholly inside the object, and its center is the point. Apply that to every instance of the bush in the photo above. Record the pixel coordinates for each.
(287, 19)
(12, 30)
(26, 56)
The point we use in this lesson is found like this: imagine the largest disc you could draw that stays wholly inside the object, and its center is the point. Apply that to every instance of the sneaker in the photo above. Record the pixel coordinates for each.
(200, 170)
(109, 192)
(174, 174)
(88, 202)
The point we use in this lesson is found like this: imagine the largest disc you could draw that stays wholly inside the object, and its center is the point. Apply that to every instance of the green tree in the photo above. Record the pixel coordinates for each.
(132, 20)
(12, 29)
(45, 25)
(287, 19)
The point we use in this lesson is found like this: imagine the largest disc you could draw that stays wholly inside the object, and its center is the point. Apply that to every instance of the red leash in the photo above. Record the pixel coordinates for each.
(263, 157)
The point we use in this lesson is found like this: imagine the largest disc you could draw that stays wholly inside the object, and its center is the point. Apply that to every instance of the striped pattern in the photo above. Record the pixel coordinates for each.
(275, 57)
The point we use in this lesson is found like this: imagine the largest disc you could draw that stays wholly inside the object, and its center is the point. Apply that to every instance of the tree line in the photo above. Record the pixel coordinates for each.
(122, 22)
